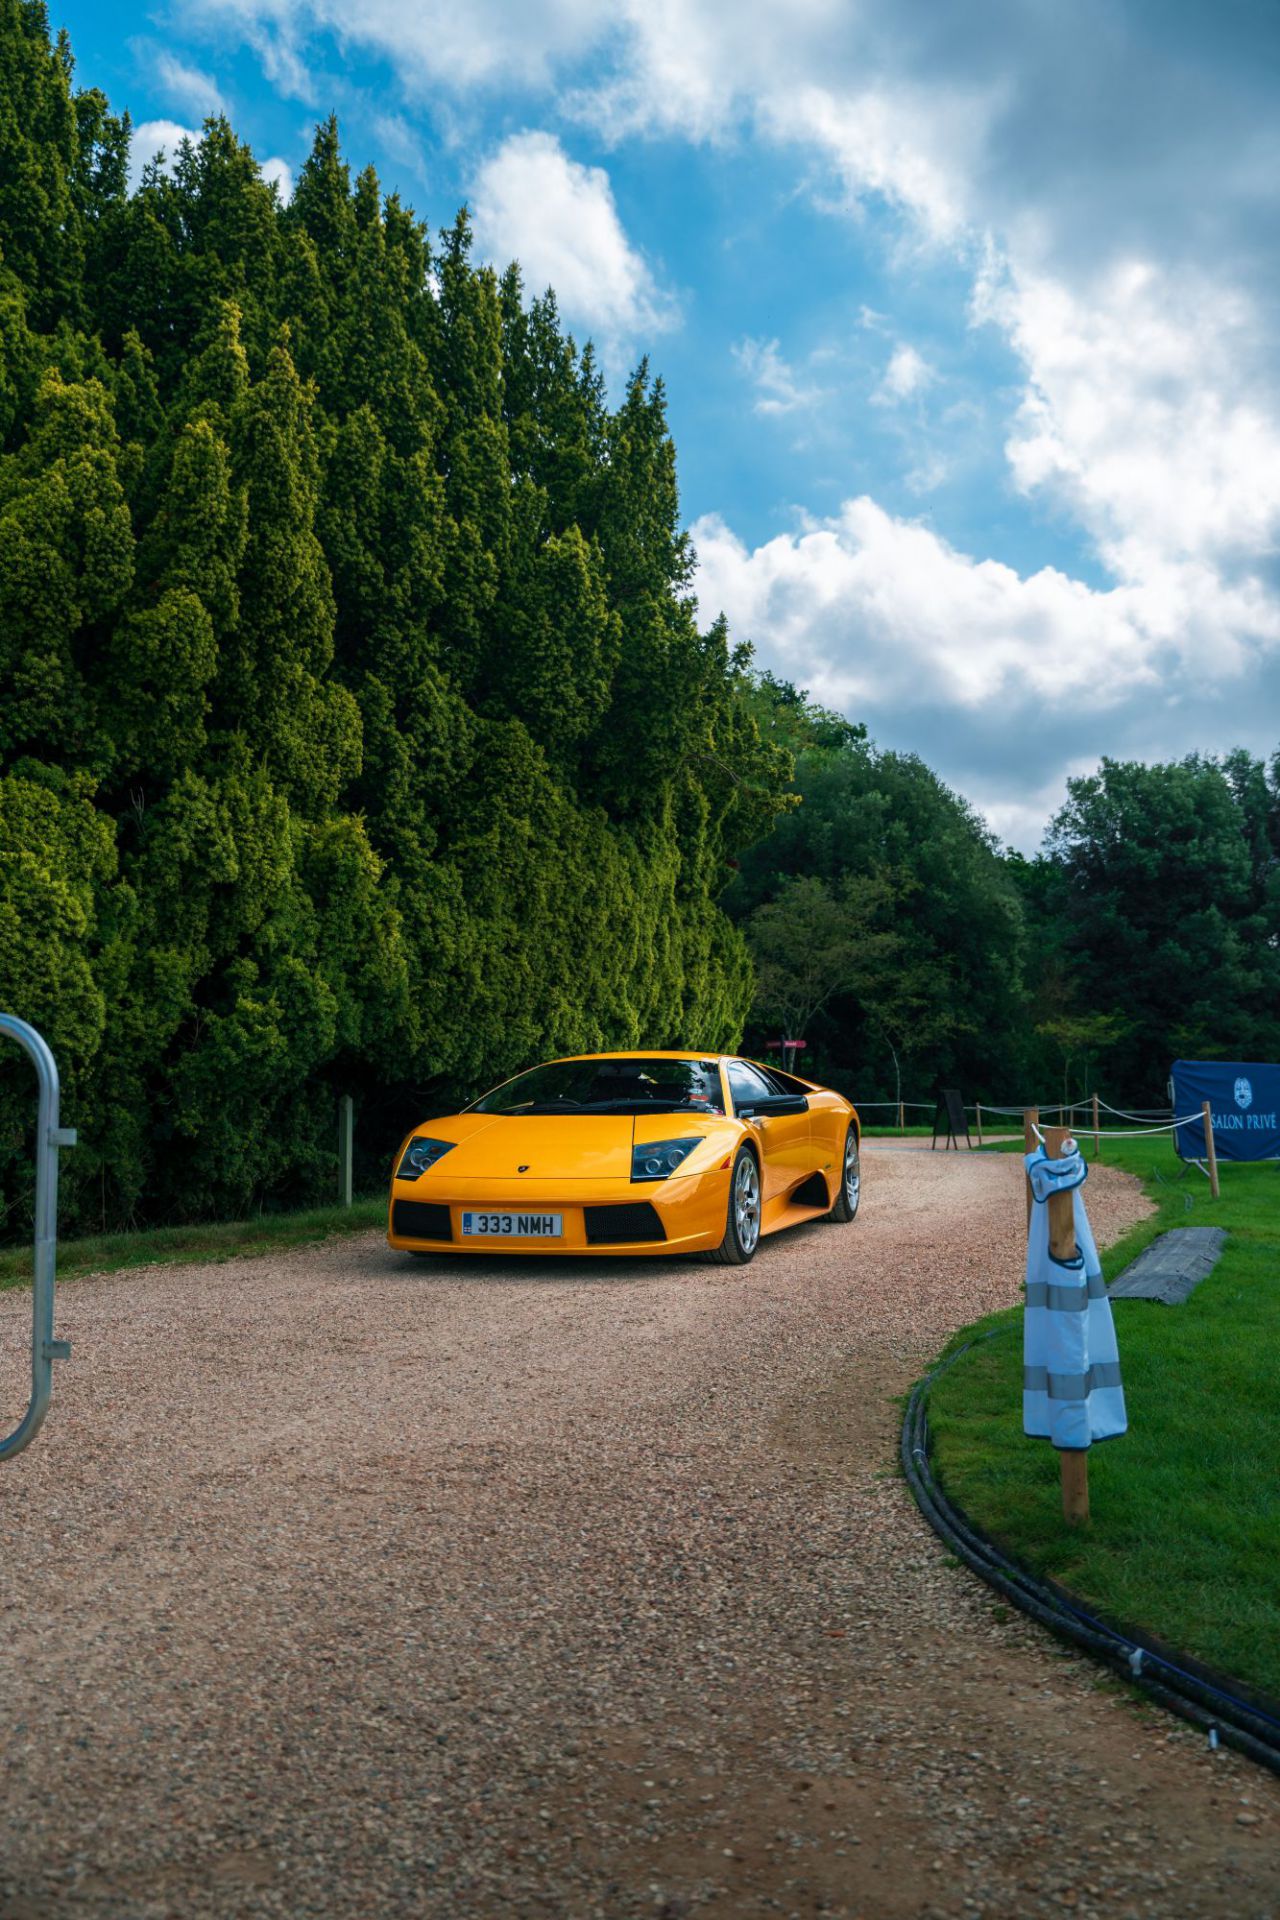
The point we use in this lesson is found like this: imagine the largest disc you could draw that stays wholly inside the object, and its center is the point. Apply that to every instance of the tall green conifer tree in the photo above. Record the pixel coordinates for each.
(356, 733)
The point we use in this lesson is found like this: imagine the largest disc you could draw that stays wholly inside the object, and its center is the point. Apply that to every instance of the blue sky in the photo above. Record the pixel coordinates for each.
(967, 316)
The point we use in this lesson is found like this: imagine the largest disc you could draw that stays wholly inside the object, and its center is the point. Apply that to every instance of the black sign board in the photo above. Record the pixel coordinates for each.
(951, 1119)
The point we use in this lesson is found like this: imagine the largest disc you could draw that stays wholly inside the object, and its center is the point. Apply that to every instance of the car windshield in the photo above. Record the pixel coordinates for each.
(631, 1085)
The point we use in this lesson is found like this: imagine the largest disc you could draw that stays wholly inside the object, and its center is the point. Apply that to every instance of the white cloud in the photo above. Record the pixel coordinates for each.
(195, 92)
(928, 474)
(886, 142)
(532, 203)
(868, 610)
(696, 73)
(777, 388)
(1149, 413)
(397, 138)
(488, 43)
(907, 374)
(974, 662)
(154, 137)
(1146, 414)
(677, 67)
(281, 173)
(1021, 821)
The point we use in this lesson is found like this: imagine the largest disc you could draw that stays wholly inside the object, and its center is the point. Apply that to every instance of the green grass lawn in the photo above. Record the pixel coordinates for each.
(219, 1240)
(1184, 1539)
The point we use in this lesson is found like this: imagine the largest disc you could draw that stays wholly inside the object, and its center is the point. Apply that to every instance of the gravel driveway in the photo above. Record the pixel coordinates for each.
(348, 1584)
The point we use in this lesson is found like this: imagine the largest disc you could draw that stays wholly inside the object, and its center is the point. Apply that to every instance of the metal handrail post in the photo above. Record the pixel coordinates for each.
(49, 1137)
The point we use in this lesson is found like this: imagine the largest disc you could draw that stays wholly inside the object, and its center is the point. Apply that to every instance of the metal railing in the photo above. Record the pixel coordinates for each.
(49, 1138)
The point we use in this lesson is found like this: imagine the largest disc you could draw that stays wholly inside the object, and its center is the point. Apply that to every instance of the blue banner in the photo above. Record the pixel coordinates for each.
(1244, 1105)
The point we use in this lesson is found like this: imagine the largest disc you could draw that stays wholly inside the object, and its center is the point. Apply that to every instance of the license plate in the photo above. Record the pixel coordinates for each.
(512, 1226)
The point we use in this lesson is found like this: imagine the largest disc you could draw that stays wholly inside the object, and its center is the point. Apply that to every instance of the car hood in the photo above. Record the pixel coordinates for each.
(587, 1146)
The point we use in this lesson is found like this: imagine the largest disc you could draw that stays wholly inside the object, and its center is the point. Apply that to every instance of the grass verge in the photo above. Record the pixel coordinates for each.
(1184, 1538)
(217, 1240)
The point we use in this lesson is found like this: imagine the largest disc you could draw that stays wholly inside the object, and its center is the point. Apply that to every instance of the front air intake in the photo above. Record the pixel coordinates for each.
(620, 1226)
(420, 1220)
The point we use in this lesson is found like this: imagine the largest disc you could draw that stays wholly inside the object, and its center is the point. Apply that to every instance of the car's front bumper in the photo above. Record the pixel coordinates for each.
(597, 1216)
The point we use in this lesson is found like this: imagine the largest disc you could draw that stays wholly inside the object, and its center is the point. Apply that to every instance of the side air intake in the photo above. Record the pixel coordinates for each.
(420, 1220)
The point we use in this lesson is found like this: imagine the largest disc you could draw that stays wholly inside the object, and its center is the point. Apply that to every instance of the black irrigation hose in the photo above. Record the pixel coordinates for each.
(1209, 1700)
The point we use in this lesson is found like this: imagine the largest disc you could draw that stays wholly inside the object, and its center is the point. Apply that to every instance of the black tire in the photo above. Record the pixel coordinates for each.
(742, 1220)
(845, 1205)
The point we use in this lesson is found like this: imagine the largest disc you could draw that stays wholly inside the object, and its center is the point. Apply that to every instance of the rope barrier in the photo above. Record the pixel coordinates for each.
(1079, 1107)
(1072, 1106)
(1134, 1133)
(926, 1104)
(1147, 1113)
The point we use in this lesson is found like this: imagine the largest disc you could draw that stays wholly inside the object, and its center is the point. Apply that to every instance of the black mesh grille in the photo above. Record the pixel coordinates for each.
(614, 1226)
(420, 1220)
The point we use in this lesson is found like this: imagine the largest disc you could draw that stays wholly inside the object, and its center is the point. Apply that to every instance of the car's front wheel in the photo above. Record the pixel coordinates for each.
(846, 1201)
(742, 1227)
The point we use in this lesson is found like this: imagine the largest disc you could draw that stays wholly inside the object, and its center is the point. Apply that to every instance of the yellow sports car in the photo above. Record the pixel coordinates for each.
(629, 1153)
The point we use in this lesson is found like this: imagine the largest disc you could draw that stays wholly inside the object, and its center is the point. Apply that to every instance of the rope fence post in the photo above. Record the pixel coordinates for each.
(346, 1141)
(1073, 1461)
(979, 1113)
(1030, 1120)
(902, 1124)
(1210, 1151)
(1097, 1143)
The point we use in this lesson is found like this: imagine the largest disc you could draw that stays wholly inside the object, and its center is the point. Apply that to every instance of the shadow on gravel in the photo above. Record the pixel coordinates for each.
(497, 1269)
(489, 1269)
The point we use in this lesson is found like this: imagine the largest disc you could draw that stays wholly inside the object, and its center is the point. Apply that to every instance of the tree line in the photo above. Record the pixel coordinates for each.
(358, 732)
(891, 929)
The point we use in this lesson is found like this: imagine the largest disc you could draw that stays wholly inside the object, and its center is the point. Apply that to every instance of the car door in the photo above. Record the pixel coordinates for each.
(785, 1154)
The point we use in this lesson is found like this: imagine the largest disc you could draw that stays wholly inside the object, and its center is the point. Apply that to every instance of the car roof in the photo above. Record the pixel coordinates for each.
(644, 1053)
(669, 1053)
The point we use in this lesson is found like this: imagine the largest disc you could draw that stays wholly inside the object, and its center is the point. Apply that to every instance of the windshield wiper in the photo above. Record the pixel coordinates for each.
(548, 1106)
(635, 1103)
(640, 1103)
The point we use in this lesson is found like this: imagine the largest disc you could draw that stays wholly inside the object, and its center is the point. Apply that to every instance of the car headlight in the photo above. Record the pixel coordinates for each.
(658, 1159)
(421, 1155)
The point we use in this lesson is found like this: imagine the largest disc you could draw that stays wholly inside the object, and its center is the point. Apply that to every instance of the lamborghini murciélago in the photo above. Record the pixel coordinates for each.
(629, 1153)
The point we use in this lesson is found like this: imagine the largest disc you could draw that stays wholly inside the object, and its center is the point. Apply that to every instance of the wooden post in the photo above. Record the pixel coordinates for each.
(979, 1117)
(1075, 1484)
(1073, 1461)
(1062, 1213)
(1030, 1117)
(1210, 1151)
(902, 1125)
(1097, 1141)
(346, 1141)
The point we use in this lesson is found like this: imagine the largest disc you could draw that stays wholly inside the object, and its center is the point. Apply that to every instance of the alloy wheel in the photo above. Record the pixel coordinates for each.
(746, 1203)
(852, 1173)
